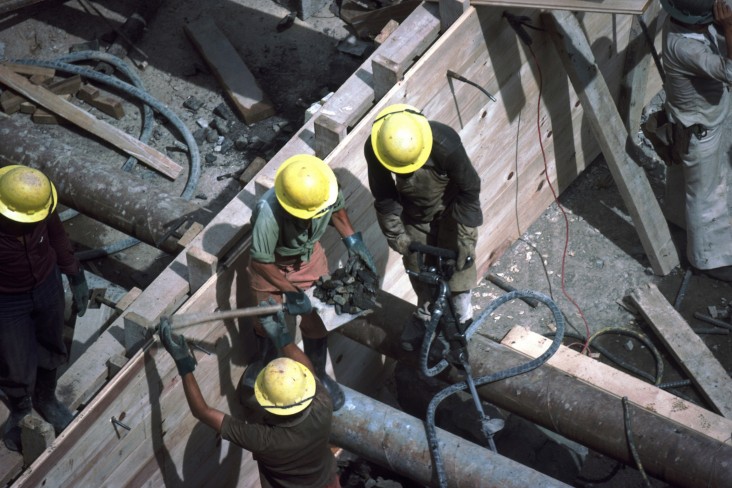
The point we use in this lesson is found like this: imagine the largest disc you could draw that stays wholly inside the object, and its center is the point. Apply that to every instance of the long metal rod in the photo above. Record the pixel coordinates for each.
(189, 319)
(398, 441)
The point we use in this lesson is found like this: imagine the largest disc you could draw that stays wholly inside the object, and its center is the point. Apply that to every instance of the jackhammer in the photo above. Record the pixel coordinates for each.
(446, 341)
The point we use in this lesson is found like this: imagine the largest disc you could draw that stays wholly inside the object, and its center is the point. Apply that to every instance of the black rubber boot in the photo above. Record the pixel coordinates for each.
(266, 352)
(19, 408)
(317, 351)
(46, 403)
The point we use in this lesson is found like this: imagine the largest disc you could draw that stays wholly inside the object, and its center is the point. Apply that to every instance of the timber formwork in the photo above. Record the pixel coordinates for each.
(165, 444)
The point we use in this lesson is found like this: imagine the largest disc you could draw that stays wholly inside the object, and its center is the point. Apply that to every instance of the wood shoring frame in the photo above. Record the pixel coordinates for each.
(425, 86)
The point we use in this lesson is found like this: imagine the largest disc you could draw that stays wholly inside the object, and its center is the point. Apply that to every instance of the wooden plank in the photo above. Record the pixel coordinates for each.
(65, 86)
(631, 179)
(88, 122)
(399, 51)
(638, 60)
(634, 7)
(687, 348)
(231, 71)
(620, 384)
(29, 70)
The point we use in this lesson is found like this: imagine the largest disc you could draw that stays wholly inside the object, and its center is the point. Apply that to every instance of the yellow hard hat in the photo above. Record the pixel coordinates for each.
(26, 194)
(305, 186)
(401, 138)
(284, 387)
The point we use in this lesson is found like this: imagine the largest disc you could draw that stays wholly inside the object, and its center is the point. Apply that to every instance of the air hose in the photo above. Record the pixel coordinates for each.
(136, 91)
(500, 375)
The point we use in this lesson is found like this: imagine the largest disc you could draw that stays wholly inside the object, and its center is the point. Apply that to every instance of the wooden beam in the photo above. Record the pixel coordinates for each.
(711, 379)
(620, 384)
(634, 7)
(591, 88)
(231, 71)
(88, 122)
(401, 48)
(638, 60)
(450, 11)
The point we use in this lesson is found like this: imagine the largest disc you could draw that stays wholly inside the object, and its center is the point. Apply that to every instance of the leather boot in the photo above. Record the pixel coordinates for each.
(266, 352)
(317, 351)
(19, 408)
(46, 403)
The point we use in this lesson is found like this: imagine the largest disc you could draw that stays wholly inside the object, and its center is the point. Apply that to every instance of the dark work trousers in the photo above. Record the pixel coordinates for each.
(31, 334)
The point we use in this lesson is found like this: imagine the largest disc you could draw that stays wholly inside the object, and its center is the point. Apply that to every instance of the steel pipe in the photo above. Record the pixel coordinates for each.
(396, 440)
(109, 195)
(577, 411)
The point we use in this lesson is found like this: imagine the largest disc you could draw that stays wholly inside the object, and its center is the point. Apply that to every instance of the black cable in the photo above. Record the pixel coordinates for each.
(500, 375)
(631, 443)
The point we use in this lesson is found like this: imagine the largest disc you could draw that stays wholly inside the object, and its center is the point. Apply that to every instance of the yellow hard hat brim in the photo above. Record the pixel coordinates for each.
(307, 213)
(424, 128)
(308, 394)
(23, 217)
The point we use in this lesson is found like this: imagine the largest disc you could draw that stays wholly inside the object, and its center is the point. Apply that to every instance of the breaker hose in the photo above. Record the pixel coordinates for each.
(493, 377)
(136, 91)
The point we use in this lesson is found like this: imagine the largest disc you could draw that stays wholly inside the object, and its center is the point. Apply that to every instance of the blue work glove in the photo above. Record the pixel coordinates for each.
(275, 327)
(297, 303)
(356, 247)
(79, 291)
(177, 347)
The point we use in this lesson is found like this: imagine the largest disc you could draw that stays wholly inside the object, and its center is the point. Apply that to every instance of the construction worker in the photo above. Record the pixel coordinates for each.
(427, 191)
(286, 255)
(34, 251)
(698, 66)
(291, 442)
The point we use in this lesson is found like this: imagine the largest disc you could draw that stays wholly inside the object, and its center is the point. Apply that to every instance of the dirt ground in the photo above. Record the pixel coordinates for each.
(602, 263)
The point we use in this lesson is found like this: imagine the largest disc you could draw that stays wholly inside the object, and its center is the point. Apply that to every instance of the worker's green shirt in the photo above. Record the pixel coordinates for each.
(275, 231)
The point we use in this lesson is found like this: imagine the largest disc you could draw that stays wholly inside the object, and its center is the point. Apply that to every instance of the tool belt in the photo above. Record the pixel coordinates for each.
(670, 140)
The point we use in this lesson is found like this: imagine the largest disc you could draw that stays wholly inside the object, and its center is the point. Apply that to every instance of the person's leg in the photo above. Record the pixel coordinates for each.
(17, 362)
(48, 314)
(314, 333)
(414, 329)
(262, 290)
(708, 220)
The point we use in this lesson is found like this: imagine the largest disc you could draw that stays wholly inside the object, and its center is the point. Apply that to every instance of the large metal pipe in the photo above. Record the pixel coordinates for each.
(109, 195)
(398, 441)
(552, 399)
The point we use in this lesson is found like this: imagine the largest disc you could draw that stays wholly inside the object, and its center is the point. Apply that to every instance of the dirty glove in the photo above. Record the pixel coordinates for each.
(400, 244)
(80, 292)
(356, 247)
(466, 239)
(393, 229)
(275, 327)
(177, 347)
(297, 303)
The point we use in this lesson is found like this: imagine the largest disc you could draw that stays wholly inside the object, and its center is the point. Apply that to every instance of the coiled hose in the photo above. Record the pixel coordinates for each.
(135, 90)
(500, 375)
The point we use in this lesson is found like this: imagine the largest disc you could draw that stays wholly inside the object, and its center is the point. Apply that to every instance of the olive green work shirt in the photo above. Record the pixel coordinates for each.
(275, 231)
(290, 452)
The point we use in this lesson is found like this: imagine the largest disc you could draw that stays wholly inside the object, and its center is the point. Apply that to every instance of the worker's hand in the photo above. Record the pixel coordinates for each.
(275, 327)
(177, 347)
(356, 247)
(79, 291)
(466, 239)
(297, 303)
(400, 244)
(723, 15)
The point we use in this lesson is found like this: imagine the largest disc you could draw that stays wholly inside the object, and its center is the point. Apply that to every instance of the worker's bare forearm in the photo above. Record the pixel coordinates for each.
(293, 352)
(342, 223)
(199, 408)
(271, 273)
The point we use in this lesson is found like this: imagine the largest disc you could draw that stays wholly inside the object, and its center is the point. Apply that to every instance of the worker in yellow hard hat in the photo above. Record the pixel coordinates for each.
(426, 191)
(290, 441)
(286, 255)
(34, 251)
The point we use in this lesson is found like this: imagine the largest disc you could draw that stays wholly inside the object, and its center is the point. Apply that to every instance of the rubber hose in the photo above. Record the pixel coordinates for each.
(195, 156)
(640, 337)
(500, 375)
(148, 101)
